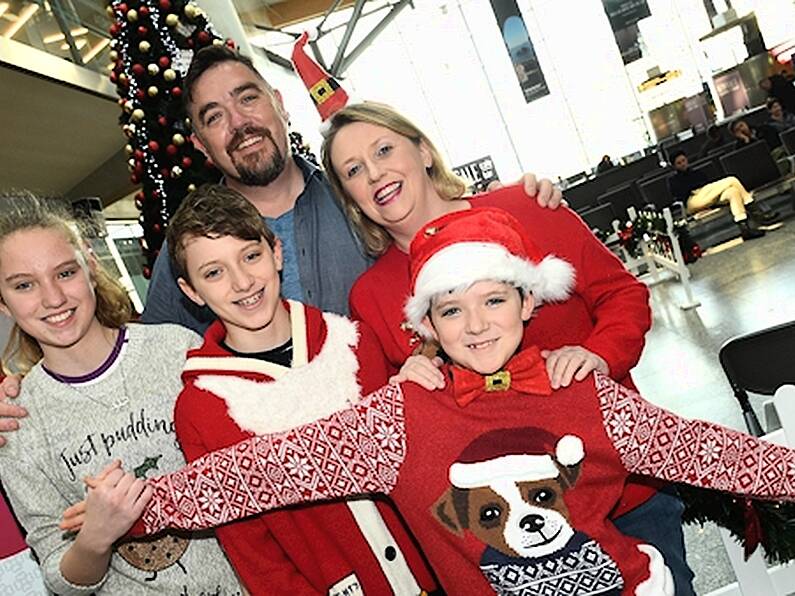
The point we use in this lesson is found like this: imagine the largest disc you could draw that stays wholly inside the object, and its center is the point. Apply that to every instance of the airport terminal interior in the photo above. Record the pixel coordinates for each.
(616, 102)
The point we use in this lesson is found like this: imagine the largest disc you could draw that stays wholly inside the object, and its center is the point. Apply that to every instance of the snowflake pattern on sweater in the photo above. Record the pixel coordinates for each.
(364, 449)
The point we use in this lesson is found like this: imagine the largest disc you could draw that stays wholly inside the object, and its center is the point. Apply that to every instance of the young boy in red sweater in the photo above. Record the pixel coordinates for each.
(507, 483)
(268, 365)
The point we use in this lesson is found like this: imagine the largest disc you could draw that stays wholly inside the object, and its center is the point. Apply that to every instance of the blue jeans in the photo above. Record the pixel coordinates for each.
(658, 522)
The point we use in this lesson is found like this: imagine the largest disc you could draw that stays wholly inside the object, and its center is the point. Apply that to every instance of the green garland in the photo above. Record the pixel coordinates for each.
(651, 224)
(750, 522)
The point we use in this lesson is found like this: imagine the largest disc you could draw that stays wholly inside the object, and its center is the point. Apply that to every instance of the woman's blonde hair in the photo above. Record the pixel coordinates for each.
(449, 186)
(25, 211)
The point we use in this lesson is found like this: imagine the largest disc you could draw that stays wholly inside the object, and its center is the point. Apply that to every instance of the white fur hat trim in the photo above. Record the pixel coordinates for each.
(462, 264)
(516, 468)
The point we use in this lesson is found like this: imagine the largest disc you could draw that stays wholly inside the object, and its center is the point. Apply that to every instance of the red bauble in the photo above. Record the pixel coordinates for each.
(157, 227)
(139, 196)
(138, 69)
(113, 77)
(171, 149)
(153, 146)
(187, 162)
(134, 178)
(204, 38)
(164, 62)
(122, 8)
(162, 121)
(165, 172)
(190, 42)
(165, 5)
(155, 194)
(230, 43)
(144, 10)
(147, 272)
(142, 31)
(139, 94)
(138, 155)
(176, 92)
(114, 29)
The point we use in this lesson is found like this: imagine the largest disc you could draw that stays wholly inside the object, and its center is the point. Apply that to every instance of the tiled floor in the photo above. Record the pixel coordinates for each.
(745, 288)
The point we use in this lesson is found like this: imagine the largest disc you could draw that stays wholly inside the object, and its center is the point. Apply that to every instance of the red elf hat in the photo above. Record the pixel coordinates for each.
(326, 92)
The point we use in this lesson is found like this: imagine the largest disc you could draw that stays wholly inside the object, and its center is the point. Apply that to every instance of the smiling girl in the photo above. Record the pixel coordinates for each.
(97, 389)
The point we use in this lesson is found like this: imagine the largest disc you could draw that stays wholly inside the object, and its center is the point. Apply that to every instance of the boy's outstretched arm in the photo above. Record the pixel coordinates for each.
(355, 451)
(655, 442)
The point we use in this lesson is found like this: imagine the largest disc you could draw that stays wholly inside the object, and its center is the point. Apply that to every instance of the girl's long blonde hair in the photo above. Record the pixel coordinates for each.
(376, 238)
(25, 211)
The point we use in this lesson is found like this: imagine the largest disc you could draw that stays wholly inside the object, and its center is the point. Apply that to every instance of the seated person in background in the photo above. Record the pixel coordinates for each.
(746, 135)
(507, 482)
(778, 118)
(605, 165)
(715, 139)
(779, 86)
(697, 192)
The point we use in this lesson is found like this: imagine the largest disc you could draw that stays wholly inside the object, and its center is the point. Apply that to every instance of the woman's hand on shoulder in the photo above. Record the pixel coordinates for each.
(572, 363)
(544, 190)
(422, 370)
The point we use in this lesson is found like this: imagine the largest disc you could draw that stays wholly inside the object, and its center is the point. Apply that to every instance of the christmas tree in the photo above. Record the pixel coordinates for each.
(152, 45)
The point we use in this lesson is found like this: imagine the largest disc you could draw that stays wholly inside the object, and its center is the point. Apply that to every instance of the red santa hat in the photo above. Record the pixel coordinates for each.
(326, 92)
(464, 247)
(524, 454)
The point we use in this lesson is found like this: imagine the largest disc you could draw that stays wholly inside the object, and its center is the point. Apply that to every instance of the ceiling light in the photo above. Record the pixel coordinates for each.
(60, 36)
(24, 17)
(79, 44)
(92, 53)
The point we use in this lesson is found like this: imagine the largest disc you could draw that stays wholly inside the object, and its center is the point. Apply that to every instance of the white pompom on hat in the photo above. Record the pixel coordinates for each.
(461, 248)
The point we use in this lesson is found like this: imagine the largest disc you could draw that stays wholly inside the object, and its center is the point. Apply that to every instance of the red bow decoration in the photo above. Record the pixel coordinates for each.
(753, 528)
(525, 372)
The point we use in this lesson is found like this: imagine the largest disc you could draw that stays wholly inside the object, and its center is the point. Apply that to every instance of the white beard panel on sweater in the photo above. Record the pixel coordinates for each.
(304, 394)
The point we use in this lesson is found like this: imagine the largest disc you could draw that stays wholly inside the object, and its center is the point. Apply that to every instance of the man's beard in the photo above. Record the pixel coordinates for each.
(255, 173)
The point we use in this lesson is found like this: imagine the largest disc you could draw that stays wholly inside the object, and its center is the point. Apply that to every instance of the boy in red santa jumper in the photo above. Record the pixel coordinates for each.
(268, 365)
(607, 313)
(506, 483)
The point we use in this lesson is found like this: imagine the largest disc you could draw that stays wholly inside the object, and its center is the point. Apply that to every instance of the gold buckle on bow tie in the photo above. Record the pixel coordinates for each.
(499, 381)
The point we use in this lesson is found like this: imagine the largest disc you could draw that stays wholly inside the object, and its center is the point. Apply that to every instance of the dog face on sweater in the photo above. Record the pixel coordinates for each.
(526, 519)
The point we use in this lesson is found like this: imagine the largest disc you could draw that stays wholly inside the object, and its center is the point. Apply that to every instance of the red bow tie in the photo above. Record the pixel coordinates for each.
(525, 372)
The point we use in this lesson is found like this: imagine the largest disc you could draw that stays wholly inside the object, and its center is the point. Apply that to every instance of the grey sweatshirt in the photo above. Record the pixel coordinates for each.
(75, 427)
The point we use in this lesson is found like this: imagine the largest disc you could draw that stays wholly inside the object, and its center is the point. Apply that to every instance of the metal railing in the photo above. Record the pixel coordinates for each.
(75, 30)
